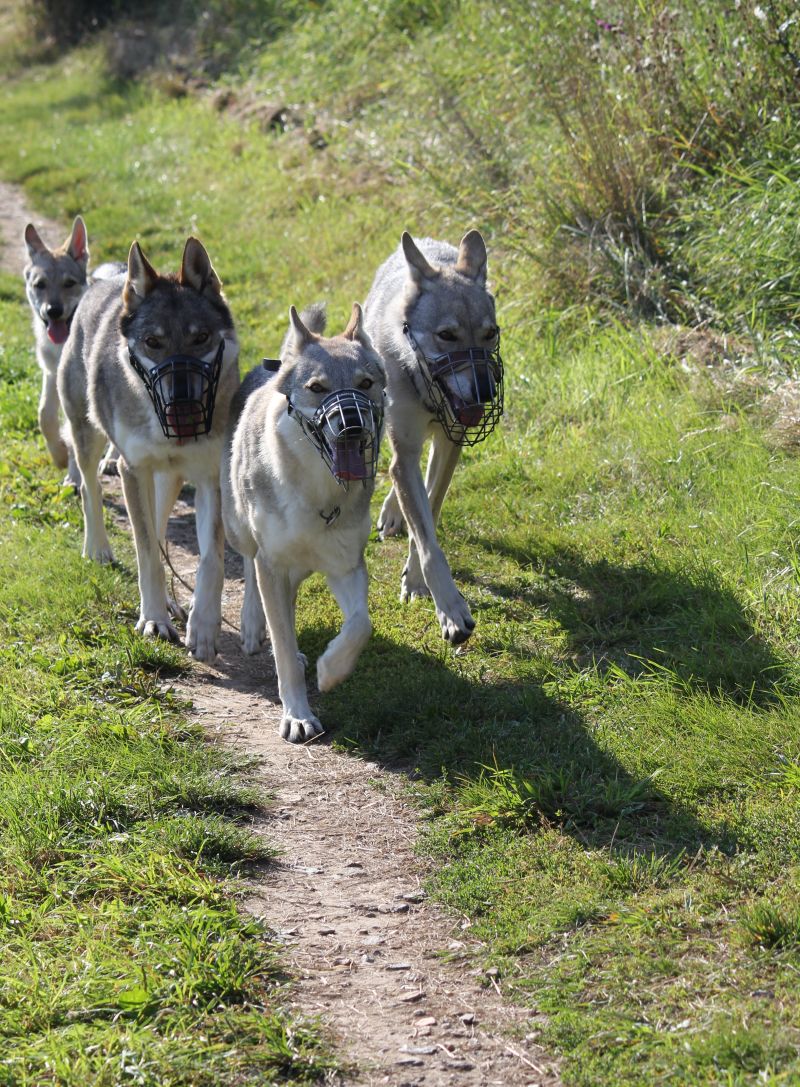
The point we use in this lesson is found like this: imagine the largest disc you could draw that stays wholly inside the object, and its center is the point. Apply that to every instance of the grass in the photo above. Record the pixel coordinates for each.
(608, 772)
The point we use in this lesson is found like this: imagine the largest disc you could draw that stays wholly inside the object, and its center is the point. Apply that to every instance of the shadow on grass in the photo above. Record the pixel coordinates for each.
(650, 618)
(415, 709)
(415, 713)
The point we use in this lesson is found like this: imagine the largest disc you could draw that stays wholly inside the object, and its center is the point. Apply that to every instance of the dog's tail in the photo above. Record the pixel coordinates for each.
(314, 317)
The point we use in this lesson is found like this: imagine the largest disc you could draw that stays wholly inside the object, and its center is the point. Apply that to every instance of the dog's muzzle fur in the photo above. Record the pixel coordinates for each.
(183, 390)
(346, 432)
(465, 389)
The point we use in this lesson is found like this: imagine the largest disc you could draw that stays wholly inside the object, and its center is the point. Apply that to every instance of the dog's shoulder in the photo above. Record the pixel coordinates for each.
(100, 296)
(256, 379)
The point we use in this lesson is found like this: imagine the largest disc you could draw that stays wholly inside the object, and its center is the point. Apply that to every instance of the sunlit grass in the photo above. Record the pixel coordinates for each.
(609, 768)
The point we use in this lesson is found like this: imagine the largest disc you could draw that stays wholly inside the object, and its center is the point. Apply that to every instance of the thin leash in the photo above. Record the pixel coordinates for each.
(164, 548)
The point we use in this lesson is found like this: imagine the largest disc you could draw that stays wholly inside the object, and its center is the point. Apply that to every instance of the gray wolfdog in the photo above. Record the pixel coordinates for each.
(151, 363)
(55, 280)
(297, 477)
(433, 321)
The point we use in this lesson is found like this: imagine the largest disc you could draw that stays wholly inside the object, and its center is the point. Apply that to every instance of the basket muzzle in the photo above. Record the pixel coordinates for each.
(346, 432)
(465, 389)
(183, 390)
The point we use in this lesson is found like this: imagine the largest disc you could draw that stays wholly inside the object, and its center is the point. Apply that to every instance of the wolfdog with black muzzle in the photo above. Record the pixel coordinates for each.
(297, 477)
(151, 363)
(432, 319)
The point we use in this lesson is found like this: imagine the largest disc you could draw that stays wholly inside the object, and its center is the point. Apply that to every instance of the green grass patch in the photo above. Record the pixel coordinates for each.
(608, 771)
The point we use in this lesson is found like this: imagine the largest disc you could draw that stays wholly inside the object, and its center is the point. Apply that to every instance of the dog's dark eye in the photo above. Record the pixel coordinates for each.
(201, 337)
(39, 285)
(447, 335)
(152, 341)
(366, 383)
(69, 283)
(315, 387)
(491, 333)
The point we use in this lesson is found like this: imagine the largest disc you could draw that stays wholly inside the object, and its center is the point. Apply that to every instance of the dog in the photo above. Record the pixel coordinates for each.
(55, 280)
(297, 477)
(151, 363)
(432, 319)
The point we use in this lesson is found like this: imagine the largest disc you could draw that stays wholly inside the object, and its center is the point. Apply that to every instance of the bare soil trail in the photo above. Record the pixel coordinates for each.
(395, 979)
(14, 217)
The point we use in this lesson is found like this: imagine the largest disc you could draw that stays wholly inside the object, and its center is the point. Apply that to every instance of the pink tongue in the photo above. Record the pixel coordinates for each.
(57, 331)
(184, 418)
(470, 416)
(348, 461)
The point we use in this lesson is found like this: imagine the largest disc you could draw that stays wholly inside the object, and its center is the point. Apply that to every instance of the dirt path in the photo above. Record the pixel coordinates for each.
(346, 896)
(14, 217)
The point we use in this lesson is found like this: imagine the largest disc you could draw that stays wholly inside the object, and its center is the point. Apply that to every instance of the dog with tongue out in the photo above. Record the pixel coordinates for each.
(55, 280)
(298, 472)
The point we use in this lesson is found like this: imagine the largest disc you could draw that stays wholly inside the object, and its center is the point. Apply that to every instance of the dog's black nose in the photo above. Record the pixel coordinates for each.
(54, 312)
(485, 383)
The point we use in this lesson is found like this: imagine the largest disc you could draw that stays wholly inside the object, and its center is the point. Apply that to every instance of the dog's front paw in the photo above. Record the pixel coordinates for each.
(457, 624)
(101, 553)
(333, 668)
(298, 730)
(201, 639)
(158, 628)
(390, 519)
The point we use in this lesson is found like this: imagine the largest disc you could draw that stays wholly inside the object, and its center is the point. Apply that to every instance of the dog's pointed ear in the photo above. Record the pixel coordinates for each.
(141, 279)
(471, 260)
(33, 241)
(355, 326)
(77, 245)
(196, 269)
(302, 335)
(417, 264)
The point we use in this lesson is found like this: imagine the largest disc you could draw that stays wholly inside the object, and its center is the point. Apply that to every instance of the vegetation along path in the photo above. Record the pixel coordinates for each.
(391, 975)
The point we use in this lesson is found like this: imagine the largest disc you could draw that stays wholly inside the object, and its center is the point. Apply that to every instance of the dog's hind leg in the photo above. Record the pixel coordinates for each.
(425, 555)
(139, 489)
(88, 446)
(205, 613)
(48, 420)
(168, 487)
(441, 465)
(108, 465)
(339, 659)
(253, 621)
(278, 588)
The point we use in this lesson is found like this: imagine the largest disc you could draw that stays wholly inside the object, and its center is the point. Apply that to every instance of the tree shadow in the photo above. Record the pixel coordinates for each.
(646, 619)
(419, 711)
(414, 712)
